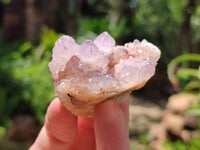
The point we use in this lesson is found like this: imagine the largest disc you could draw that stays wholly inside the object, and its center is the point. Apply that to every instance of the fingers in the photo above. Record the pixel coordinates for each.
(86, 138)
(111, 126)
(59, 131)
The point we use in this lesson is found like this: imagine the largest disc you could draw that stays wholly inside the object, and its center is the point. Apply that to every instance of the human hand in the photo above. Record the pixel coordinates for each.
(107, 130)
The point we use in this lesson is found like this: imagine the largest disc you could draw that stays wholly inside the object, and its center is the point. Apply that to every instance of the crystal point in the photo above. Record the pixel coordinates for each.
(105, 42)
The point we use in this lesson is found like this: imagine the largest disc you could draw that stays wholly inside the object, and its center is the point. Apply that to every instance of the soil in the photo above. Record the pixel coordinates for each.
(144, 113)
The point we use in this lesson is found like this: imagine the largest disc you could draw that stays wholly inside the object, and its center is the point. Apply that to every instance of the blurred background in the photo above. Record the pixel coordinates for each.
(164, 115)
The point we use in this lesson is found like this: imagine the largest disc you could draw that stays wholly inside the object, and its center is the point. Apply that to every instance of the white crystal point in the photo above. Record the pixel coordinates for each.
(89, 54)
(118, 53)
(105, 42)
(65, 47)
(143, 49)
(93, 72)
(131, 72)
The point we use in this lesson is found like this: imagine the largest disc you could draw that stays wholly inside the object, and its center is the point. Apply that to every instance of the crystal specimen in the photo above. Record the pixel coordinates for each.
(87, 74)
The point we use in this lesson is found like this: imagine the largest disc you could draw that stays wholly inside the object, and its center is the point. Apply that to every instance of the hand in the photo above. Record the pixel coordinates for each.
(107, 130)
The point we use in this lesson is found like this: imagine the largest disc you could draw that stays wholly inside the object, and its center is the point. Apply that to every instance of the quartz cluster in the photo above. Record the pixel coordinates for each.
(87, 74)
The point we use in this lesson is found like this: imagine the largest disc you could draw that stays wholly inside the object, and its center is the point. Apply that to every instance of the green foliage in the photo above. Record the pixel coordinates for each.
(6, 1)
(26, 85)
(2, 133)
(142, 138)
(195, 24)
(188, 78)
(195, 110)
(194, 144)
(90, 28)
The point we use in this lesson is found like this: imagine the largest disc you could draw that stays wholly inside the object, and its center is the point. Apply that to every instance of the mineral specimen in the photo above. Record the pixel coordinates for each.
(87, 74)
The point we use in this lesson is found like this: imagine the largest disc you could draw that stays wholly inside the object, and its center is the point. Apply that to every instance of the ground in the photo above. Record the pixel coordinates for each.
(144, 113)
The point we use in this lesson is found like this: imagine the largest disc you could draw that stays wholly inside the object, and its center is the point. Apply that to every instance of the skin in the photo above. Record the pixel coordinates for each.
(107, 130)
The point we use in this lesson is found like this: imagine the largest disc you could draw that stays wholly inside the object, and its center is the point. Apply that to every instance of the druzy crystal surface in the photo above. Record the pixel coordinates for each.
(87, 74)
